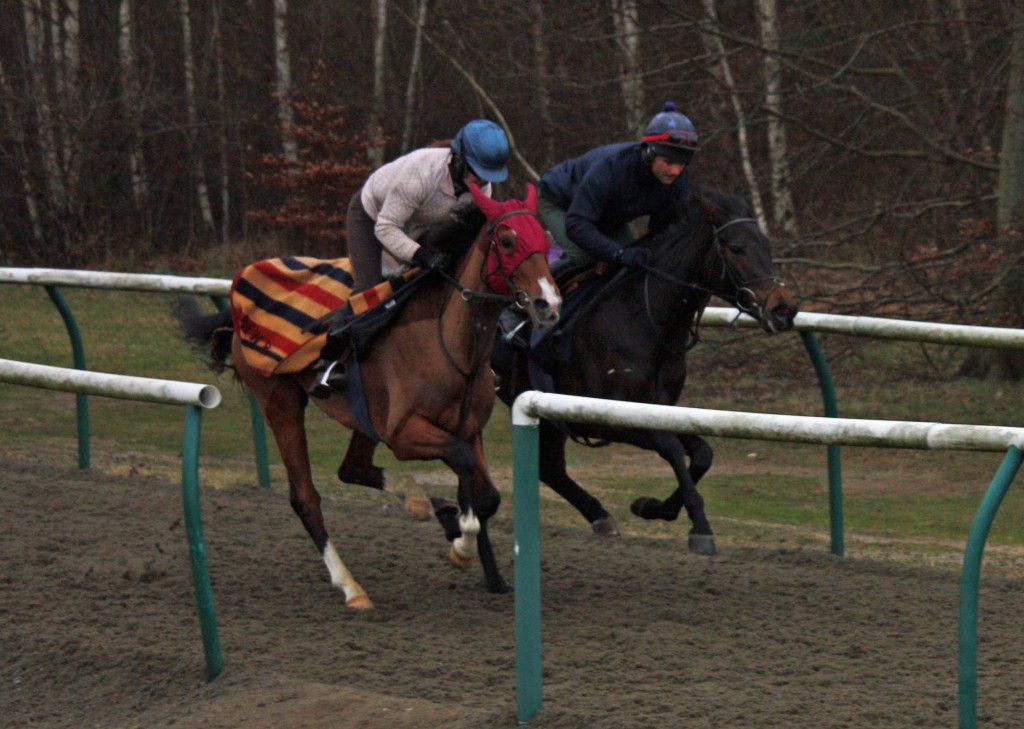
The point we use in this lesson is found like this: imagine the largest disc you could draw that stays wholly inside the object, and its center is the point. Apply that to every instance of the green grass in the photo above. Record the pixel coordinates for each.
(757, 492)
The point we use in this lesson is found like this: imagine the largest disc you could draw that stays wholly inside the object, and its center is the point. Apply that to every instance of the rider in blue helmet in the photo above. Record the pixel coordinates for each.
(483, 146)
(404, 198)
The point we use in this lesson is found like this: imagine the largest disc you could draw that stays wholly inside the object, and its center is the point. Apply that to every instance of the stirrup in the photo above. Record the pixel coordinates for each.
(331, 380)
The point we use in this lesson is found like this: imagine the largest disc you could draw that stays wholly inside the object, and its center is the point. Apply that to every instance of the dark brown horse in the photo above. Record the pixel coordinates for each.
(428, 385)
(630, 344)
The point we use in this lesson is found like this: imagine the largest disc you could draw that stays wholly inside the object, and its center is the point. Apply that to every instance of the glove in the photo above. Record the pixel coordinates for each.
(430, 258)
(632, 257)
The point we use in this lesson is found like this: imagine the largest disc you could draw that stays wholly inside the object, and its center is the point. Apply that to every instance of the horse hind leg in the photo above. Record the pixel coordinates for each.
(357, 468)
(674, 450)
(283, 404)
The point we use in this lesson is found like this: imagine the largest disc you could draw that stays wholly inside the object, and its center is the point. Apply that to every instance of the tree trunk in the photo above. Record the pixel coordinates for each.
(199, 174)
(1008, 364)
(283, 79)
(375, 150)
(15, 131)
(35, 46)
(414, 73)
(722, 73)
(625, 16)
(130, 104)
(783, 212)
(222, 141)
(540, 52)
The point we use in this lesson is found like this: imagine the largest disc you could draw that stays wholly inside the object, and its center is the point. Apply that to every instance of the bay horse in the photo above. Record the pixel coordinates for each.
(631, 343)
(427, 381)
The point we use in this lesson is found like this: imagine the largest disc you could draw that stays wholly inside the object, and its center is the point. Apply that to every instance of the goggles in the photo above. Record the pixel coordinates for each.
(675, 137)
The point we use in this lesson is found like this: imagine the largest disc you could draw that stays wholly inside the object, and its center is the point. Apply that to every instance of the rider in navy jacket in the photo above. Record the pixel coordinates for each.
(588, 202)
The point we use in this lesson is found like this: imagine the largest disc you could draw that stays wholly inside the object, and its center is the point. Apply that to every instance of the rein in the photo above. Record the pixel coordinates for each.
(518, 297)
(742, 287)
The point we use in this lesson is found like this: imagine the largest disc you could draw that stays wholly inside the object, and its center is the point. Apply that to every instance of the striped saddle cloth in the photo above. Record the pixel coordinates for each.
(280, 309)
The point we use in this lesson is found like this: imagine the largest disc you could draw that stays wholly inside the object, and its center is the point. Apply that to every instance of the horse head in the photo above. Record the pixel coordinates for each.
(748, 278)
(517, 258)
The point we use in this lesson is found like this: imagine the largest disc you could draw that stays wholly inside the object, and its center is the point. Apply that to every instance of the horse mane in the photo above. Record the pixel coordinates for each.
(456, 234)
(720, 205)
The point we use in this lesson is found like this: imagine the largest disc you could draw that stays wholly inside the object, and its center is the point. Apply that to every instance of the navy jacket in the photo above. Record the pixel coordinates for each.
(606, 188)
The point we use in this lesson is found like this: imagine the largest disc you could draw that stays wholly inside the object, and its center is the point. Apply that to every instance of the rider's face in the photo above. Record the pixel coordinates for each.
(666, 170)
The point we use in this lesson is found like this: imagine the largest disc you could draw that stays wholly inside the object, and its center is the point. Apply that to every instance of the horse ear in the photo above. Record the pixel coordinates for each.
(488, 207)
(531, 197)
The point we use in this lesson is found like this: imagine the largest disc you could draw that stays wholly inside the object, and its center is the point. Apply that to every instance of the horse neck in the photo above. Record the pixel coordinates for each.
(689, 258)
(469, 326)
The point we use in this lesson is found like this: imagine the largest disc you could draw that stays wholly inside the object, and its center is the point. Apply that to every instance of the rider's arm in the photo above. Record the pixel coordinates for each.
(400, 203)
(584, 213)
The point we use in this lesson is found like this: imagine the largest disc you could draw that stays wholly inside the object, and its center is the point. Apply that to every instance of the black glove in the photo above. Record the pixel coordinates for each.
(430, 258)
(632, 257)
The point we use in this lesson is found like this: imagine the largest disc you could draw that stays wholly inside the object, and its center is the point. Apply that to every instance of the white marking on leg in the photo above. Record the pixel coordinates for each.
(465, 545)
(355, 596)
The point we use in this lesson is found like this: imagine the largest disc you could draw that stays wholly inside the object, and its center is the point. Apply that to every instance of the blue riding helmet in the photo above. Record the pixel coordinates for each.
(484, 147)
(671, 134)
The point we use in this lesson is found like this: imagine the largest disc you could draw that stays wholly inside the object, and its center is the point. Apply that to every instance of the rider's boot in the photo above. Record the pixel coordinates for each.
(331, 379)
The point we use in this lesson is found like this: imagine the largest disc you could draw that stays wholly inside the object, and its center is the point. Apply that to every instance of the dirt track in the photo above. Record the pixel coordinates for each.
(100, 628)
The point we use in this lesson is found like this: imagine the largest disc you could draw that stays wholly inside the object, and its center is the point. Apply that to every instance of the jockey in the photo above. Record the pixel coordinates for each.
(402, 199)
(589, 202)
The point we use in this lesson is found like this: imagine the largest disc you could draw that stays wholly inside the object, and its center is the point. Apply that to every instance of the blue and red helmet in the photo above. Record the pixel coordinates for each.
(484, 147)
(671, 134)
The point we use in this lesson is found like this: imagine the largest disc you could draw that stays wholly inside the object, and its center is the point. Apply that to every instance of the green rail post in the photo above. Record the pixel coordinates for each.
(78, 356)
(835, 468)
(526, 507)
(967, 696)
(196, 543)
(259, 431)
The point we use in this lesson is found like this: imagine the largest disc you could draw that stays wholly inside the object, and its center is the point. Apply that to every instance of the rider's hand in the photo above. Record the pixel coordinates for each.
(632, 257)
(430, 258)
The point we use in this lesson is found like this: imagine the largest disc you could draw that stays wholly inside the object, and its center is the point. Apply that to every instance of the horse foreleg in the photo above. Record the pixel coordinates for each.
(671, 448)
(465, 525)
(357, 468)
(553, 473)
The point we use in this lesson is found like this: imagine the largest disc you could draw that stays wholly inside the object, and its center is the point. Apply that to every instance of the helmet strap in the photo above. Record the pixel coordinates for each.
(457, 169)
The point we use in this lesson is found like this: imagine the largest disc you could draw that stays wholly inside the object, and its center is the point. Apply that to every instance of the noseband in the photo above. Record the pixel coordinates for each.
(746, 299)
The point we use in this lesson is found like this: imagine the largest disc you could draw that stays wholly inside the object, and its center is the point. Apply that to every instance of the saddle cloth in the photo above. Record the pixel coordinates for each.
(278, 307)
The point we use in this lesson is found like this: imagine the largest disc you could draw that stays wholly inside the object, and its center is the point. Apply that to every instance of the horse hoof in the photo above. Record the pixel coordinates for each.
(458, 560)
(605, 527)
(702, 544)
(359, 602)
(419, 508)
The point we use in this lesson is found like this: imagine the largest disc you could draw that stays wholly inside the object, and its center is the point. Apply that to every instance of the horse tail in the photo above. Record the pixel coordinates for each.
(209, 335)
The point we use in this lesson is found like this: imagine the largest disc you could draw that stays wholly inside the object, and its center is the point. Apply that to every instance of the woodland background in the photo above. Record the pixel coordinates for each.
(881, 144)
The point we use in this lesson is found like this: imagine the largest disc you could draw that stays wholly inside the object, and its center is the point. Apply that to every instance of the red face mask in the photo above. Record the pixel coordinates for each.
(521, 217)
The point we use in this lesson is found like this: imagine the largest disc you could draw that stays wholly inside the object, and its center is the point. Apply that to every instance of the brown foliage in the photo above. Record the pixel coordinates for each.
(313, 192)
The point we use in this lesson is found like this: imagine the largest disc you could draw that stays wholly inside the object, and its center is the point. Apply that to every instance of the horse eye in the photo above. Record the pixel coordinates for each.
(507, 239)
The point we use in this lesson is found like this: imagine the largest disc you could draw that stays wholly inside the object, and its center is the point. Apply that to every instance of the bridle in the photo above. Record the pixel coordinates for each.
(744, 299)
(517, 296)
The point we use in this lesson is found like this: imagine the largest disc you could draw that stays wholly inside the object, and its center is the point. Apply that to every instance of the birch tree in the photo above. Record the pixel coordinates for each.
(283, 79)
(198, 172)
(722, 73)
(784, 212)
(131, 104)
(625, 18)
(415, 63)
(375, 151)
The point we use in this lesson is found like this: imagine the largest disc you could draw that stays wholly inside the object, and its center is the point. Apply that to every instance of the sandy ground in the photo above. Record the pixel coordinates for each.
(100, 628)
